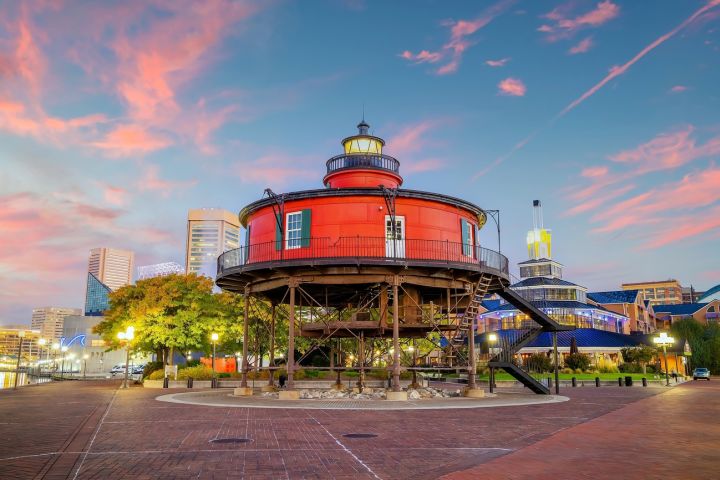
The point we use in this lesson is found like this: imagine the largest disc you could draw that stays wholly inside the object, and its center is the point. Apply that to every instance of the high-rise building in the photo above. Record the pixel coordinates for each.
(111, 266)
(159, 270)
(97, 296)
(664, 292)
(49, 321)
(210, 232)
(108, 270)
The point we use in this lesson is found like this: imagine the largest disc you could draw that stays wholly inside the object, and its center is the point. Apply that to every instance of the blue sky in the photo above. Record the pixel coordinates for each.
(116, 118)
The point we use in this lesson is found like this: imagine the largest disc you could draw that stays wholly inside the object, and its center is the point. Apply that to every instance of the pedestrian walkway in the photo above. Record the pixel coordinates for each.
(92, 430)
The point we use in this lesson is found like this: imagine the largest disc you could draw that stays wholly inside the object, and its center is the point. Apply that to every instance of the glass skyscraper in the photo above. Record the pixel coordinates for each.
(210, 232)
(97, 297)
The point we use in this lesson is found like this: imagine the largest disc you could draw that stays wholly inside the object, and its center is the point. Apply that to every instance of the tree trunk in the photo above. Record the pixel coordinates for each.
(171, 350)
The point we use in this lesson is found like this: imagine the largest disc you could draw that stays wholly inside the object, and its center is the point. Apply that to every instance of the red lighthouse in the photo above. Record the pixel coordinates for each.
(363, 258)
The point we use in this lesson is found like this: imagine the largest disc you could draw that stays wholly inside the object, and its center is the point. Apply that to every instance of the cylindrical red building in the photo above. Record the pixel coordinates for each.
(365, 257)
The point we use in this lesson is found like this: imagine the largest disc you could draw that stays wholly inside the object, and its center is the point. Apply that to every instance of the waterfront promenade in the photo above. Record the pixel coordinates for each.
(90, 430)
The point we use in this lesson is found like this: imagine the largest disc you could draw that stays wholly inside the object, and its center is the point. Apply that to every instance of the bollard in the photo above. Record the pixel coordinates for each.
(166, 382)
(644, 380)
(619, 381)
(190, 382)
(628, 381)
(597, 381)
(574, 382)
(549, 382)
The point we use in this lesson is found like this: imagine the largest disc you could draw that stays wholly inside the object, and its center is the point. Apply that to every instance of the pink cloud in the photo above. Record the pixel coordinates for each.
(667, 151)
(126, 140)
(452, 51)
(411, 138)
(151, 181)
(563, 26)
(114, 195)
(425, 165)
(687, 227)
(275, 169)
(497, 63)
(678, 89)
(592, 172)
(584, 46)
(512, 87)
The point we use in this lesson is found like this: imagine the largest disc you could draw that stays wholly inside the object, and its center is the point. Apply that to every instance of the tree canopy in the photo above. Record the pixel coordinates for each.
(174, 312)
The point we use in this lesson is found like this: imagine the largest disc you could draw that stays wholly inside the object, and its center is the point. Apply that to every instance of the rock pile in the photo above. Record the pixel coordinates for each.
(374, 394)
(429, 392)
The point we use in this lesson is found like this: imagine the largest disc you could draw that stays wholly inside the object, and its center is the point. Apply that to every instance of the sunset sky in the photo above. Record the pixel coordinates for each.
(116, 118)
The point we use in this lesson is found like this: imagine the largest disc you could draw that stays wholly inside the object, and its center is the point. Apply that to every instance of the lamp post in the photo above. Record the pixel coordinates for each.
(664, 341)
(85, 359)
(63, 350)
(214, 337)
(21, 336)
(126, 337)
(42, 342)
(55, 348)
(492, 338)
(70, 357)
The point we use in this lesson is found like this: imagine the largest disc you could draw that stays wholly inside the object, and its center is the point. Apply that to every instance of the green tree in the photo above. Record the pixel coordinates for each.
(640, 355)
(704, 342)
(174, 312)
(577, 361)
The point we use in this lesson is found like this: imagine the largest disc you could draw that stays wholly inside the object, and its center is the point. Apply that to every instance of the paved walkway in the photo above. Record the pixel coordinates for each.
(675, 435)
(91, 430)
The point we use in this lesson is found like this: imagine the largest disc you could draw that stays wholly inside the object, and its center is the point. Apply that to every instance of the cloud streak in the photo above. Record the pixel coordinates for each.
(512, 87)
(453, 50)
(562, 25)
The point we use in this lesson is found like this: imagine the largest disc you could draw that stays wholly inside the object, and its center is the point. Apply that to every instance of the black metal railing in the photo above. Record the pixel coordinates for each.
(360, 248)
(379, 161)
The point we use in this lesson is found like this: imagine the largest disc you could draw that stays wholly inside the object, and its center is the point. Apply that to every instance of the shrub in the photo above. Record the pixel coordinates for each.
(539, 362)
(151, 367)
(567, 370)
(199, 372)
(577, 361)
(191, 363)
(156, 375)
(629, 368)
(224, 375)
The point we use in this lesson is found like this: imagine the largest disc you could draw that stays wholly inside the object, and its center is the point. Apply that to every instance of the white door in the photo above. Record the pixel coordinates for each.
(395, 237)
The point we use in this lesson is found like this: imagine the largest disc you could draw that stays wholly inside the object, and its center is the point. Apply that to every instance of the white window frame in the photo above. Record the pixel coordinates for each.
(296, 242)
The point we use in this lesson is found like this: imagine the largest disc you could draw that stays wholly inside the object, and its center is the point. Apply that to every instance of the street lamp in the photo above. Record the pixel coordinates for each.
(126, 337)
(85, 359)
(664, 341)
(214, 337)
(63, 350)
(42, 342)
(21, 336)
(492, 338)
(55, 347)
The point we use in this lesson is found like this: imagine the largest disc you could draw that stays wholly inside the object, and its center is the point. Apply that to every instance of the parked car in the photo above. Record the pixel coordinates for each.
(120, 368)
(138, 369)
(701, 373)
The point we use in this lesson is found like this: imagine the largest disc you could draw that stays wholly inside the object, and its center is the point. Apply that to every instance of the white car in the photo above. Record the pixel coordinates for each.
(118, 369)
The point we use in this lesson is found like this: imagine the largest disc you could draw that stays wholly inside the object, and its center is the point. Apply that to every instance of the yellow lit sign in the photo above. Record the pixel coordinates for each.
(539, 242)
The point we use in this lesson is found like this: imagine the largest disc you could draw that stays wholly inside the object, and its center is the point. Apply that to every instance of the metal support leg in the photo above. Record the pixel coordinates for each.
(291, 341)
(271, 375)
(246, 317)
(472, 367)
(396, 338)
(555, 358)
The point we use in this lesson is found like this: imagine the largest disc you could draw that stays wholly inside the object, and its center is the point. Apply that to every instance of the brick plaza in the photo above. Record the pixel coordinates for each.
(92, 430)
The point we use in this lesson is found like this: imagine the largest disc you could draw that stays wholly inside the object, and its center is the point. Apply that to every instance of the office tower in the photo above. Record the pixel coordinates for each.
(210, 232)
(111, 266)
(49, 321)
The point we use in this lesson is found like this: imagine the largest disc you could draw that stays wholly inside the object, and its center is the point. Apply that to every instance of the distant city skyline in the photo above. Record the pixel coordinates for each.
(116, 119)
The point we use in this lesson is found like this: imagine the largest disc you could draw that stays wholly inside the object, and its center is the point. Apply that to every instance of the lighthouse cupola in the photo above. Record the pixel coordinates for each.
(362, 165)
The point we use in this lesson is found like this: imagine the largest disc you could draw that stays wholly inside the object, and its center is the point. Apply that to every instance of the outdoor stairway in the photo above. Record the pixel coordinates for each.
(471, 311)
(509, 347)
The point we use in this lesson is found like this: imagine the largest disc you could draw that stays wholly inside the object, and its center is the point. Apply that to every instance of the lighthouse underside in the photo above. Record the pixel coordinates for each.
(341, 300)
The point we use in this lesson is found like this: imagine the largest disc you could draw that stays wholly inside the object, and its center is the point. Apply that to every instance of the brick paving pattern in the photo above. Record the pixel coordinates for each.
(91, 430)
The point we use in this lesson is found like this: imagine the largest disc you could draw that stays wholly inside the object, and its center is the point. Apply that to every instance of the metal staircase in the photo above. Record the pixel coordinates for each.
(510, 344)
(480, 289)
